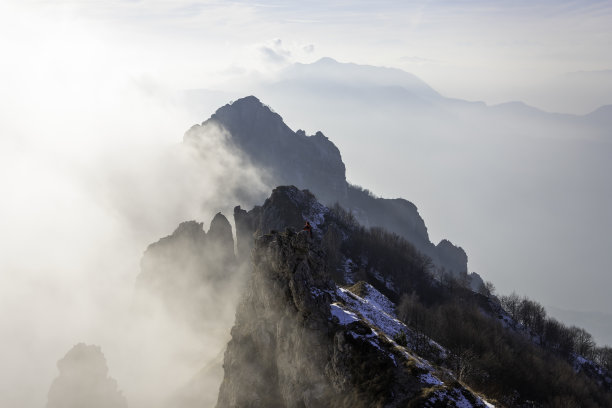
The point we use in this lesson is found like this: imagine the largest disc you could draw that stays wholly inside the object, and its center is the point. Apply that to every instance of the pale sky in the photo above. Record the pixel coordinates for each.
(494, 51)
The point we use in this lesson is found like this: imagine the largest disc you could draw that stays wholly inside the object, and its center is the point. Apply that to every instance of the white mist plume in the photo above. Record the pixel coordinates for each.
(92, 170)
(74, 235)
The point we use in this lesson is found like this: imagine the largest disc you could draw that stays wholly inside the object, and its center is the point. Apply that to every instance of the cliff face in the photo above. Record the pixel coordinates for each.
(300, 341)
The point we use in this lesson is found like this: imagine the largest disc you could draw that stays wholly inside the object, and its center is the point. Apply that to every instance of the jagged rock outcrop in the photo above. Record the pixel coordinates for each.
(221, 239)
(189, 270)
(287, 206)
(83, 381)
(298, 342)
(453, 256)
(315, 163)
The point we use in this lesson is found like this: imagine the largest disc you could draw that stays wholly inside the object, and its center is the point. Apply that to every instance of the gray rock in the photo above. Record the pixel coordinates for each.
(189, 271)
(83, 381)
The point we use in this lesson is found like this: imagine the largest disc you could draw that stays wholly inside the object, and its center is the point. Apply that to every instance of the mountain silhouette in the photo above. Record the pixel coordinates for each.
(315, 163)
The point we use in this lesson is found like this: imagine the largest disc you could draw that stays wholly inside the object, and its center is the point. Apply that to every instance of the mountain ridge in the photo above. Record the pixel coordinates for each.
(308, 338)
(314, 162)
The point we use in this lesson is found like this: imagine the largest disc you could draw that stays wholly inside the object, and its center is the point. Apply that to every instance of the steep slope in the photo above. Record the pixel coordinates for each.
(299, 341)
(314, 162)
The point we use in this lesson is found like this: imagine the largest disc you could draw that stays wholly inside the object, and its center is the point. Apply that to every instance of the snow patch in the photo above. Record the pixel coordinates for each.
(372, 312)
(344, 316)
(377, 310)
(580, 362)
(377, 299)
(430, 379)
(316, 214)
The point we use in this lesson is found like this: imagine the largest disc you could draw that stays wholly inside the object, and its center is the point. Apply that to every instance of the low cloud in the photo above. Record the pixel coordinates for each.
(90, 178)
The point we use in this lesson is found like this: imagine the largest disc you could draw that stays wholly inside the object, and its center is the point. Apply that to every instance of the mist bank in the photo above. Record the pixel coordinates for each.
(88, 184)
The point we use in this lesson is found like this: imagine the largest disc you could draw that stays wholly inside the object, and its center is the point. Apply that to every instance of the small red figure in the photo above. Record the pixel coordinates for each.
(308, 228)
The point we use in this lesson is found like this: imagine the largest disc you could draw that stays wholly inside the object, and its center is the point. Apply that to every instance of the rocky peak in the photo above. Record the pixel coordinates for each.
(83, 381)
(220, 237)
(180, 269)
(248, 120)
(289, 157)
(287, 206)
(220, 228)
(453, 256)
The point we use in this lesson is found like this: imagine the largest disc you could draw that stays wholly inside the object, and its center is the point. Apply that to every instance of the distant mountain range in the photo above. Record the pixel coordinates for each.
(327, 83)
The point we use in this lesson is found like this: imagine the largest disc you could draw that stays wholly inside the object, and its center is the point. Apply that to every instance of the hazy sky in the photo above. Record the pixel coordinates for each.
(541, 52)
(88, 120)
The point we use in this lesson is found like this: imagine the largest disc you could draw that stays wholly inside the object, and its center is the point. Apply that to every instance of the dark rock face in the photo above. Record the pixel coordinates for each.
(83, 381)
(287, 206)
(453, 256)
(189, 269)
(221, 240)
(284, 350)
(395, 215)
(315, 163)
(289, 350)
(276, 329)
(290, 157)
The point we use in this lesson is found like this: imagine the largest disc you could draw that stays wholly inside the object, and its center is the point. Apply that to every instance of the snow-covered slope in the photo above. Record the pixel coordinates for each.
(376, 311)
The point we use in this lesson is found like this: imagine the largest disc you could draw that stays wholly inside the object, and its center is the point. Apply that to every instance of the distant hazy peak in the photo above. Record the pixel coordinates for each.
(601, 116)
(326, 69)
(326, 60)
